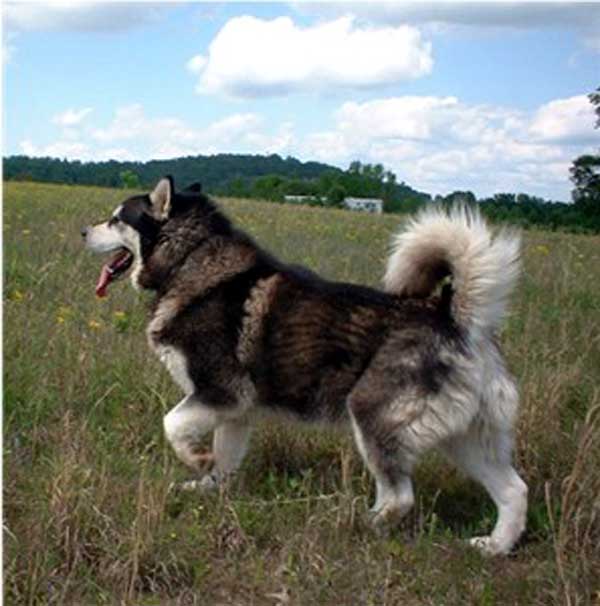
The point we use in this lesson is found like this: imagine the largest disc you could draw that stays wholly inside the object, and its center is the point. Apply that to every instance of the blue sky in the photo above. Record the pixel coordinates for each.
(481, 96)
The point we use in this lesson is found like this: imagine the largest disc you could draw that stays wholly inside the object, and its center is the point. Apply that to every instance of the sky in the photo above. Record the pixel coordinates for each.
(481, 96)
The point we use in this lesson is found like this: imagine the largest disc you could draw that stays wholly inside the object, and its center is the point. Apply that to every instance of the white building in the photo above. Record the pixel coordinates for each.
(303, 199)
(369, 205)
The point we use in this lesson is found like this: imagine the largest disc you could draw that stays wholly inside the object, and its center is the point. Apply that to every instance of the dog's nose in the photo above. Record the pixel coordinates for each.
(84, 232)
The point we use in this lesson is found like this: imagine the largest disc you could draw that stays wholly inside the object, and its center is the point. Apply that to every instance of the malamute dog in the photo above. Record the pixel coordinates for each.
(410, 367)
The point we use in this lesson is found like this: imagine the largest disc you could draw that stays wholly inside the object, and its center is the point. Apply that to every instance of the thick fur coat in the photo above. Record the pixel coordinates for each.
(410, 367)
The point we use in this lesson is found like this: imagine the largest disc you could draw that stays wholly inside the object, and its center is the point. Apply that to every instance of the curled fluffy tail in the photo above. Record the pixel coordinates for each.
(484, 267)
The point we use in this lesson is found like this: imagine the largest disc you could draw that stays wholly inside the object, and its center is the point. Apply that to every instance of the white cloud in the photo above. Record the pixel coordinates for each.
(114, 153)
(196, 64)
(168, 137)
(60, 149)
(465, 17)
(71, 117)
(79, 15)
(566, 120)
(131, 123)
(251, 57)
(439, 144)
(280, 141)
(424, 119)
(230, 128)
(74, 150)
(484, 13)
(328, 146)
(132, 134)
(394, 118)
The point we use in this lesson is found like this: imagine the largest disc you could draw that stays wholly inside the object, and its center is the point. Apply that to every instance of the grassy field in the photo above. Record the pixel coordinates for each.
(89, 518)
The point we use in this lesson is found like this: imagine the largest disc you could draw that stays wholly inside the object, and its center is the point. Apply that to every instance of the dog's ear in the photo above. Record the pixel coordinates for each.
(162, 197)
(194, 188)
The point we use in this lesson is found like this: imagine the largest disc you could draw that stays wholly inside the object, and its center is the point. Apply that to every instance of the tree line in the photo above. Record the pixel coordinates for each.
(216, 172)
(246, 176)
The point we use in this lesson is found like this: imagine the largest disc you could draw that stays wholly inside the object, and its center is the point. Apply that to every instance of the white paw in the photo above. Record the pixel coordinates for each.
(487, 546)
(388, 515)
(209, 483)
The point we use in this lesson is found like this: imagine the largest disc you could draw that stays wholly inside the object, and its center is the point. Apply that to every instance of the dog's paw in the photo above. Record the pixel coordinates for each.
(205, 485)
(387, 517)
(487, 546)
(392, 510)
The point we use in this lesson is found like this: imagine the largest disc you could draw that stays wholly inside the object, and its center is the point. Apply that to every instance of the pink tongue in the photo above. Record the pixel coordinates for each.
(103, 281)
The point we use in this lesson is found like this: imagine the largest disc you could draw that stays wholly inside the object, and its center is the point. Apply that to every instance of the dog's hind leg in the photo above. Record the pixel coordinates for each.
(484, 453)
(387, 461)
(394, 491)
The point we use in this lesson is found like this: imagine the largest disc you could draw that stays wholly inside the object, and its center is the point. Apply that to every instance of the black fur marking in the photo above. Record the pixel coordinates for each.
(194, 188)
(207, 332)
(135, 212)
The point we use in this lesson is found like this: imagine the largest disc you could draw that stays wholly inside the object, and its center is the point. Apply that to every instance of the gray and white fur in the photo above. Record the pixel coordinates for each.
(412, 367)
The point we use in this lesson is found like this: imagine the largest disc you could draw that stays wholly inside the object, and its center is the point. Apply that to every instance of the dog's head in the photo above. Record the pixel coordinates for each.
(151, 232)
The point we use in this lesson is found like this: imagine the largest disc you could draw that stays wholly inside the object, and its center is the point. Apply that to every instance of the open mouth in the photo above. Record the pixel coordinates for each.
(114, 269)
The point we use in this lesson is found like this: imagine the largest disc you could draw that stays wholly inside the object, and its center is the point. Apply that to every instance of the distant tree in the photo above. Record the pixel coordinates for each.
(377, 172)
(238, 187)
(336, 195)
(505, 199)
(585, 174)
(129, 180)
(595, 101)
(389, 187)
(460, 197)
(355, 167)
(269, 187)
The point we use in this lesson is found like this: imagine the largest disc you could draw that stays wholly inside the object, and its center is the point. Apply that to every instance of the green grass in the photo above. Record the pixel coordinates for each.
(89, 518)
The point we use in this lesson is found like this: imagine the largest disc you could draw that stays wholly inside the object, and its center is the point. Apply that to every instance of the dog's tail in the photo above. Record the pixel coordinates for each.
(457, 242)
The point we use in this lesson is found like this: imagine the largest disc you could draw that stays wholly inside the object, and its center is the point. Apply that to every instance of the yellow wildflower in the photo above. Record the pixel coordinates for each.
(120, 315)
(542, 249)
(94, 325)
(17, 295)
(60, 320)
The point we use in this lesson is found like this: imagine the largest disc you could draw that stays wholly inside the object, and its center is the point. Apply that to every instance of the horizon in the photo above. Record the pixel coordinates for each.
(265, 156)
(485, 97)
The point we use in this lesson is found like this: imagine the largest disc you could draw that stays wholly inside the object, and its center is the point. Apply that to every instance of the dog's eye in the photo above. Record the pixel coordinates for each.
(113, 221)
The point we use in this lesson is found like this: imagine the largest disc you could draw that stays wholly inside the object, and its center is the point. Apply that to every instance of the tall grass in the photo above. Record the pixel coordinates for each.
(89, 517)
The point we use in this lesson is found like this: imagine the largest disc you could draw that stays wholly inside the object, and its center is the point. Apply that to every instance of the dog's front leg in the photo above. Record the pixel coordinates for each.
(186, 425)
(230, 444)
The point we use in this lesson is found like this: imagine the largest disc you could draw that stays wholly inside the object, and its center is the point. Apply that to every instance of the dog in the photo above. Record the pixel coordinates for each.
(413, 366)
